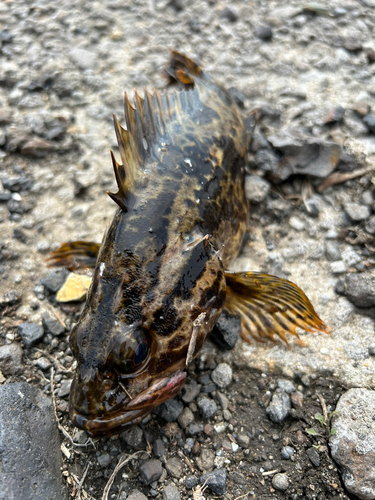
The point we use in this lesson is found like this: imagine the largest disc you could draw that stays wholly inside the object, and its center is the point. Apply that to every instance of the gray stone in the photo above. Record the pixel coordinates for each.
(10, 358)
(279, 407)
(133, 437)
(332, 250)
(360, 289)
(207, 406)
(30, 445)
(313, 456)
(43, 363)
(65, 388)
(222, 375)
(370, 225)
(223, 400)
(150, 471)
(226, 331)
(186, 418)
(285, 385)
(243, 440)
(256, 188)
(158, 447)
(353, 442)
(104, 460)
(170, 492)
(136, 495)
(174, 466)
(287, 452)
(191, 391)
(191, 482)
(206, 460)
(280, 482)
(338, 267)
(215, 481)
(356, 211)
(195, 428)
(52, 325)
(31, 333)
(83, 58)
(170, 410)
(264, 33)
(55, 279)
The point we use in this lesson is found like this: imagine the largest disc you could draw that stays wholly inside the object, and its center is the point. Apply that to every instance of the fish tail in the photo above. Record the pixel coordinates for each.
(181, 69)
(75, 255)
(269, 306)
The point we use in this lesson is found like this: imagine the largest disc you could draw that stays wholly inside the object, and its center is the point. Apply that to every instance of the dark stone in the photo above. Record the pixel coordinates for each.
(158, 448)
(16, 184)
(133, 437)
(36, 148)
(170, 410)
(65, 388)
(370, 54)
(150, 471)
(369, 120)
(190, 482)
(347, 162)
(170, 492)
(191, 391)
(226, 331)
(19, 235)
(55, 279)
(313, 456)
(52, 325)
(229, 14)
(31, 333)
(207, 406)
(174, 466)
(30, 445)
(360, 289)
(264, 33)
(10, 358)
(279, 407)
(215, 481)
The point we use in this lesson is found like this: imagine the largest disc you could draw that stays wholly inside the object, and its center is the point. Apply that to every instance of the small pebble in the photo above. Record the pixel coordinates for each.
(150, 471)
(52, 325)
(55, 279)
(185, 418)
(280, 482)
(65, 388)
(174, 466)
(215, 481)
(136, 495)
(207, 406)
(190, 482)
(158, 447)
(264, 33)
(243, 440)
(279, 407)
(285, 385)
(74, 288)
(31, 333)
(170, 492)
(287, 452)
(356, 211)
(313, 456)
(133, 437)
(10, 358)
(256, 188)
(222, 375)
(43, 363)
(170, 410)
(191, 391)
(104, 460)
(338, 267)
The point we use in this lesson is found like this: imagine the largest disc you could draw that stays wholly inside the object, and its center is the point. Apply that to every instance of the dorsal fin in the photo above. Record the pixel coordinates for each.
(146, 126)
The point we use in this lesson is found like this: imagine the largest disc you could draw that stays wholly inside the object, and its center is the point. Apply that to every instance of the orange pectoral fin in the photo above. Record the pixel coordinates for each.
(269, 306)
(75, 255)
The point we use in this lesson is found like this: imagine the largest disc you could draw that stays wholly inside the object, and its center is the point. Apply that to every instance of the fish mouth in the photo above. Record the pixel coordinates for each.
(133, 412)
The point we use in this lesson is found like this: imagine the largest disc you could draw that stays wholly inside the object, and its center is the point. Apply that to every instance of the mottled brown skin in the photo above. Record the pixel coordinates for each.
(182, 219)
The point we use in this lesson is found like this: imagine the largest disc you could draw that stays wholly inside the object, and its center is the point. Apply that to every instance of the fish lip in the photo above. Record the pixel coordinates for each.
(127, 417)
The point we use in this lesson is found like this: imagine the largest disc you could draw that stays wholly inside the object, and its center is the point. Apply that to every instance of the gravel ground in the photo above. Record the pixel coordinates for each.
(309, 71)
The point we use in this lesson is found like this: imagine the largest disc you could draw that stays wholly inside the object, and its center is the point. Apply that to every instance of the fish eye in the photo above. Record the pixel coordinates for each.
(132, 350)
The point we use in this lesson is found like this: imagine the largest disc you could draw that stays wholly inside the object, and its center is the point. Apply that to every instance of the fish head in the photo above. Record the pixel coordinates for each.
(144, 320)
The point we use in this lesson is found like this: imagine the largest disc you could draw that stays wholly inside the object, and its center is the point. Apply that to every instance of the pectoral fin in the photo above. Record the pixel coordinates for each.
(75, 255)
(269, 305)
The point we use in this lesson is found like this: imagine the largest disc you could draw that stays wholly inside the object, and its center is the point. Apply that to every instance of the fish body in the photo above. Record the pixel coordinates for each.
(160, 283)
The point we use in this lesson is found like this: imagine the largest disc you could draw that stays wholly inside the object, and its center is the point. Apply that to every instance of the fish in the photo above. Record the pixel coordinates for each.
(161, 279)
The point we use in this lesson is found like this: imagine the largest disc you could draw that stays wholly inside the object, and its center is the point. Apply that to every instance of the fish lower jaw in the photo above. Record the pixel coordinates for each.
(133, 413)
